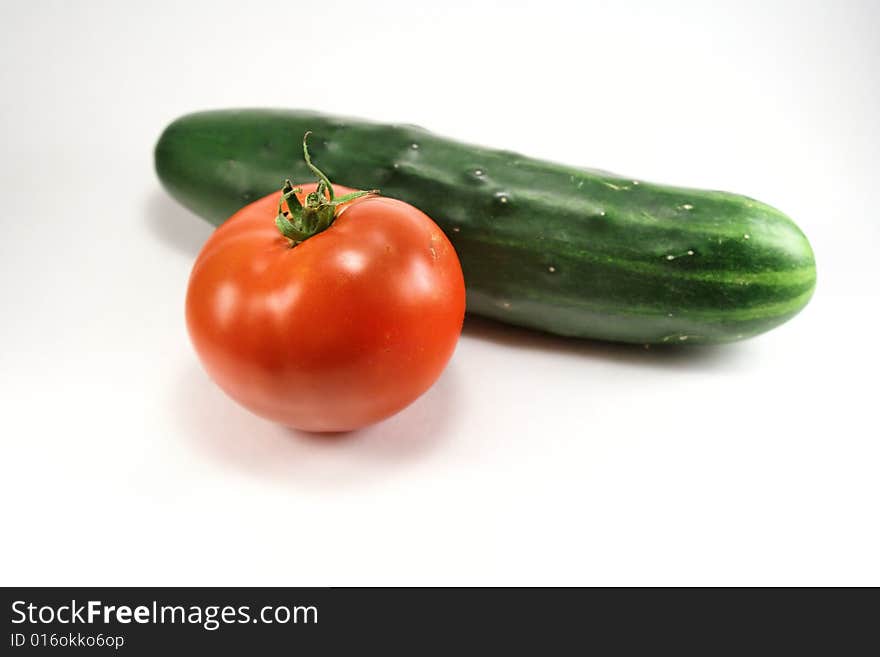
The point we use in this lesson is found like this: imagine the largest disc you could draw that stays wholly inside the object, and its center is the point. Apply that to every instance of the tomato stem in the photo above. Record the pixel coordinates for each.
(301, 221)
(321, 176)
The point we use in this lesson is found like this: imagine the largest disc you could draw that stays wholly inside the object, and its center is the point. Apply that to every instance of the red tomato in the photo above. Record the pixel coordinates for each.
(340, 331)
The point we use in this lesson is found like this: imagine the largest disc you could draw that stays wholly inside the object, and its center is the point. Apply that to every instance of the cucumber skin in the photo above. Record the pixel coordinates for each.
(570, 251)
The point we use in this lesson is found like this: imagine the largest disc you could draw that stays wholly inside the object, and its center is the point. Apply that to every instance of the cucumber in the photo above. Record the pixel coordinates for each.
(571, 251)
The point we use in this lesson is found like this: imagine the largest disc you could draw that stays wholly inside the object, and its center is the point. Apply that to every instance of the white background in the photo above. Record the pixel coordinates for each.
(533, 460)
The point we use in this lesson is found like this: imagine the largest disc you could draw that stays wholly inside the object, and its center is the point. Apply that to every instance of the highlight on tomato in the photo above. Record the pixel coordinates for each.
(324, 308)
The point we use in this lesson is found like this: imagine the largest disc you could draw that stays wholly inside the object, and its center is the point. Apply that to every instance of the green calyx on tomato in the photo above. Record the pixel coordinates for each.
(300, 221)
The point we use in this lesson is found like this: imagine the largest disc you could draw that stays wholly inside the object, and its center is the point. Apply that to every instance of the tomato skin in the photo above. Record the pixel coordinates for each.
(343, 330)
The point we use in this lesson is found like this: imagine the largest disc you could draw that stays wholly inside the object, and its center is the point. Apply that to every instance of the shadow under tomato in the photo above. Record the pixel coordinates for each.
(239, 440)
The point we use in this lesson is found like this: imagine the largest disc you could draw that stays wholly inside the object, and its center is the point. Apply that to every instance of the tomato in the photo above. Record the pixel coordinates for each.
(339, 331)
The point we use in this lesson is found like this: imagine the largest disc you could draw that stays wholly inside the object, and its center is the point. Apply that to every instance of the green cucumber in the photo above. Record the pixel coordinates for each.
(571, 251)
